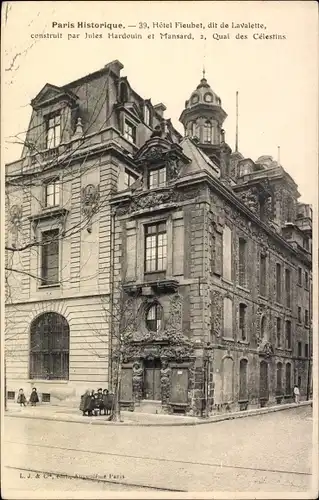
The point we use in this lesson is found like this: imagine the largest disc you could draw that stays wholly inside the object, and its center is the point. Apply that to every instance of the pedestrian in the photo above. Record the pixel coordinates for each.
(99, 400)
(21, 398)
(85, 402)
(34, 398)
(105, 401)
(297, 394)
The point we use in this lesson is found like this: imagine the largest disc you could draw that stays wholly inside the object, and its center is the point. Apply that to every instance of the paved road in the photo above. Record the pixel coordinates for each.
(269, 453)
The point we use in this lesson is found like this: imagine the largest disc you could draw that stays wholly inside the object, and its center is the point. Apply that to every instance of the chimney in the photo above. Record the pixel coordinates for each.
(115, 67)
(160, 108)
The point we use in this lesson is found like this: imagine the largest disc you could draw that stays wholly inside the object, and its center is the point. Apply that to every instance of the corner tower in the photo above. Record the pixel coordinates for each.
(203, 118)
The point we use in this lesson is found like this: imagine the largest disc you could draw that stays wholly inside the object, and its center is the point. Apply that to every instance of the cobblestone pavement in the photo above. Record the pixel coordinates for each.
(269, 453)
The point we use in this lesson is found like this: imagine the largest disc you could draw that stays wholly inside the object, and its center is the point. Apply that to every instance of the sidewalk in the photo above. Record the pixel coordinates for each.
(60, 414)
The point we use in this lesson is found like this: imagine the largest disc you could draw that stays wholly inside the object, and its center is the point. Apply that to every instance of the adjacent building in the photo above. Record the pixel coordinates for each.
(121, 231)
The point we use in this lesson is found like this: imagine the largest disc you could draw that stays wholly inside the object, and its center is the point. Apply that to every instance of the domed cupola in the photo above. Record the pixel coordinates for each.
(203, 118)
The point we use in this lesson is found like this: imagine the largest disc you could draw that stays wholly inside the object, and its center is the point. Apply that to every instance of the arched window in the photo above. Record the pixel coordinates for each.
(288, 378)
(49, 352)
(154, 318)
(279, 377)
(208, 132)
(243, 389)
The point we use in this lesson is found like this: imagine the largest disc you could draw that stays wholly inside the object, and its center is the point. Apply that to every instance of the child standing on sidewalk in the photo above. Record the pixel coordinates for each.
(296, 394)
(21, 398)
(34, 399)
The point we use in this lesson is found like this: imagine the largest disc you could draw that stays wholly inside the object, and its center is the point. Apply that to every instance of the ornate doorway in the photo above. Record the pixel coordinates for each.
(152, 379)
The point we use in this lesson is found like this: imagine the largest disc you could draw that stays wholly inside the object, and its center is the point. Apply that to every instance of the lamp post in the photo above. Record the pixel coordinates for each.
(207, 366)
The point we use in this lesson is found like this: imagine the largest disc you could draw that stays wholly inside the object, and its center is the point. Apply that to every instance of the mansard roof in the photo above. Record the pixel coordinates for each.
(199, 160)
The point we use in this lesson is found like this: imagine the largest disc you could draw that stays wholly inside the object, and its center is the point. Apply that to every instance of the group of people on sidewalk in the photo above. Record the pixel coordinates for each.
(33, 400)
(93, 403)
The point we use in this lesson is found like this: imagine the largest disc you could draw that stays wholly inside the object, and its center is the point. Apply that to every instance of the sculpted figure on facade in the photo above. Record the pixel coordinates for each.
(137, 379)
(165, 381)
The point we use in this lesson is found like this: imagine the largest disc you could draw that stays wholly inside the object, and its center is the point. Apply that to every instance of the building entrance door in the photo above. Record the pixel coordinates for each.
(263, 380)
(152, 379)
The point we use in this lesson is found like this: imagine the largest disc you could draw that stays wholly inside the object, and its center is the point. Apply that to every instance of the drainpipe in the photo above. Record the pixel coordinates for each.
(112, 242)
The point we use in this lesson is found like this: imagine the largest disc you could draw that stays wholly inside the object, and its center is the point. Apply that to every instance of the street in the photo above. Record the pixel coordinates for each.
(269, 453)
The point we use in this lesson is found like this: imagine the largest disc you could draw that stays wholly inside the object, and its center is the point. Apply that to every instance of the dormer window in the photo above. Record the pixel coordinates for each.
(208, 98)
(157, 178)
(52, 193)
(208, 132)
(130, 131)
(195, 99)
(53, 132)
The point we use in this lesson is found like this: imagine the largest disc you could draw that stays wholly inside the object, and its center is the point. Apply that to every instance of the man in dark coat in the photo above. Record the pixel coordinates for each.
(85, 402)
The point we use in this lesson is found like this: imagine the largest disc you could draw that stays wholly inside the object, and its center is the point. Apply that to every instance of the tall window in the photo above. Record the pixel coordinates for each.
(288, 334)
(50, 257)
(306, 280)
(129, 132)
(52, 193)
(194, 129)
(262, 274)
(242, 261)
(263, 332)
(147, 115)
(53, 134)
(155, 247)
(306, 351)
(208, 131)
(278, 282)
(278, 332)
(279, 377)
(299, 349)
(157, 178)
(49, 351)
(299, 276)
(154, 318)
(227, 253)
(288, 287)
(290, 210)
(228, 318)
(129, 179)
(306, 317)
(242, 321)
(299, 314)
(243, 389)
(288, 378)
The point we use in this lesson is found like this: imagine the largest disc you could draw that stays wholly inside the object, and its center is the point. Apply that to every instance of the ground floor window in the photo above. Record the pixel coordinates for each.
(243, 391)
(49, 347)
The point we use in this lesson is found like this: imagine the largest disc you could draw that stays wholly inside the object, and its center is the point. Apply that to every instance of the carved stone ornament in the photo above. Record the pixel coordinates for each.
(143, 201)
(165, 381)
(265, 349)
(89, 199)
(155, 153)
(15, 217)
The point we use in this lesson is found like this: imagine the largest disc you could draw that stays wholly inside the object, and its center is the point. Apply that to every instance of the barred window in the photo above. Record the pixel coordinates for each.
(242, 321)
(155, 247)
(49, 352)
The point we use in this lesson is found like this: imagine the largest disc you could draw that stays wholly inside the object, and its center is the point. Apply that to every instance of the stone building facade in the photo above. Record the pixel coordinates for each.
(190, 260)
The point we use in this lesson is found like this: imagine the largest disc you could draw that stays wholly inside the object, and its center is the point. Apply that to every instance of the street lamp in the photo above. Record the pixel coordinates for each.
(207, 365)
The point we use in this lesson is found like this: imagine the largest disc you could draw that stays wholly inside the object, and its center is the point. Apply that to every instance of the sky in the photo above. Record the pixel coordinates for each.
(277, 79)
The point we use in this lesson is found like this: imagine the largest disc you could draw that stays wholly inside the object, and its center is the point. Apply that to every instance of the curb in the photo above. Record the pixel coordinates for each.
(213, 419)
